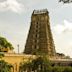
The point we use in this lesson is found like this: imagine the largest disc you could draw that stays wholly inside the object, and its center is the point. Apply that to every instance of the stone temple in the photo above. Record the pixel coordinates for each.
(40, 36)
(39, 40)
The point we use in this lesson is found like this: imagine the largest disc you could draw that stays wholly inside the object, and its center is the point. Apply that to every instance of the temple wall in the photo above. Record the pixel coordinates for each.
(15, 59)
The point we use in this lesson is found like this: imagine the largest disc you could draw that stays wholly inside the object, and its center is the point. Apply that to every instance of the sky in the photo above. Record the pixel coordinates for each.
(15, 18)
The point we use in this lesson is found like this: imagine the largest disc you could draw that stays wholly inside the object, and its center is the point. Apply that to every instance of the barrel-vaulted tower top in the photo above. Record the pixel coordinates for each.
(40, 15)
(43, 11)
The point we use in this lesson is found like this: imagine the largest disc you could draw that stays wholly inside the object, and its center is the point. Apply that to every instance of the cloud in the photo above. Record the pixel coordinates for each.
(12, 5)
(67, 5)
(61, 28)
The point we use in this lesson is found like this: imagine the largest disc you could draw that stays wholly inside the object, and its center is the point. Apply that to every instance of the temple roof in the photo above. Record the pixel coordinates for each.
(40, 11)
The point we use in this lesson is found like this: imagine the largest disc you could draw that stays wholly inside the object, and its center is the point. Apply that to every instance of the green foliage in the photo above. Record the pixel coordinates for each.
(61, 69)
(1, 55)
(67, 69)
(42, 65)
(39, 64)
(5, 44)
(4, 66)
(57, 69)
(25, 66)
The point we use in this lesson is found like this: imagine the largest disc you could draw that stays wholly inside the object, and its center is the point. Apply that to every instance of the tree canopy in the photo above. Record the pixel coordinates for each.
(5, 67)
(5, 45)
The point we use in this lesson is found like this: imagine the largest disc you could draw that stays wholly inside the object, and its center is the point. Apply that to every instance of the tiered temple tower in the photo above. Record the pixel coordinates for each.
(40, 37)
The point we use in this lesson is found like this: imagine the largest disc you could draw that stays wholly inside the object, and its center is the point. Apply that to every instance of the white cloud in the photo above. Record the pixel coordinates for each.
(12, 5)
(60, 28)
(67, 5)
(68, 25)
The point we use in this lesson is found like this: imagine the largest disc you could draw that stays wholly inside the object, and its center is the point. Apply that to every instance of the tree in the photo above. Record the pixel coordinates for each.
(5, 45)
(39, 64)
(1, 55)
(57, 69)
(25, 66)
(67, 69)
(5, 67)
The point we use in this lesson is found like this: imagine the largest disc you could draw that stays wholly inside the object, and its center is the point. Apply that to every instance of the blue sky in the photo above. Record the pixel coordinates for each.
(15, 17)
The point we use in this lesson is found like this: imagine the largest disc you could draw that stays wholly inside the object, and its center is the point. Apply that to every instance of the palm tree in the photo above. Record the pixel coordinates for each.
(40, 64)
(25, 66)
